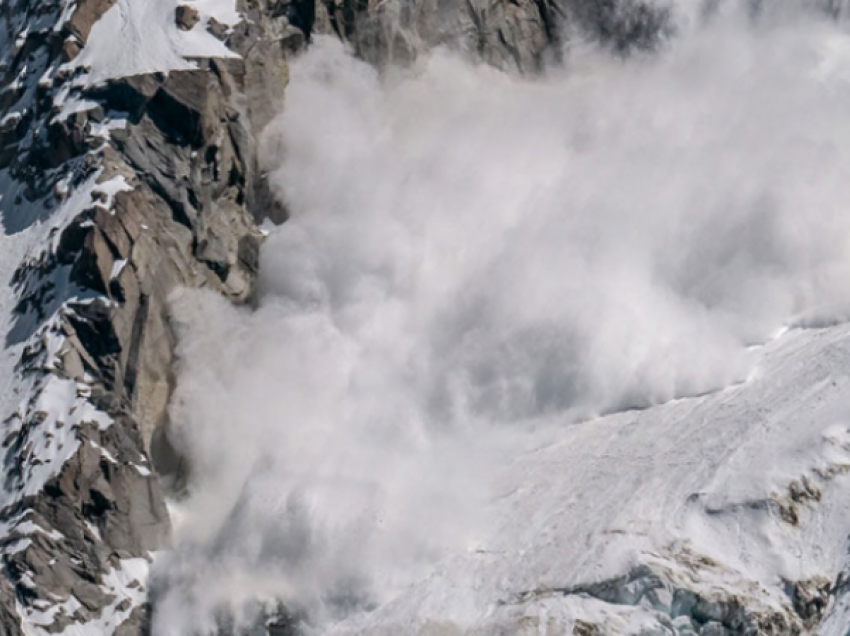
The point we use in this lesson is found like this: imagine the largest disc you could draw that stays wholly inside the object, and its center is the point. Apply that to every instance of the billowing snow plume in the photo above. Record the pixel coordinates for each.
(469, 253)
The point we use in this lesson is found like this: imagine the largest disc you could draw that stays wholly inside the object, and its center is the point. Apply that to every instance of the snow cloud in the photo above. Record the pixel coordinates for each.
(472, 257)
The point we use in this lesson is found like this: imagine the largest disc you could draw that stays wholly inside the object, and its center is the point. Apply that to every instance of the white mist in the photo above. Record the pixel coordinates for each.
(471, 253)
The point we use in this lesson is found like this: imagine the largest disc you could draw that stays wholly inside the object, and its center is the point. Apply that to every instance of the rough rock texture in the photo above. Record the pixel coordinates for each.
(186, 17)
(509, 34)
(149, 183)
(514, 35)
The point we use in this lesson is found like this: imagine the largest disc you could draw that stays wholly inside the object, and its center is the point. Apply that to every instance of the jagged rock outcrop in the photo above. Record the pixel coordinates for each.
(514, 35)
(127, 189)
(511, 35)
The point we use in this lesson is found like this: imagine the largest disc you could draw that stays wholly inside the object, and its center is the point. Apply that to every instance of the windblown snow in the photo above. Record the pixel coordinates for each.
(523, 336)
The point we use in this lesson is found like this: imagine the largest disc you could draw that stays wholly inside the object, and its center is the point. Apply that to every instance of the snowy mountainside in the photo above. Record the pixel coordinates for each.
(719, 514)
(136, 160)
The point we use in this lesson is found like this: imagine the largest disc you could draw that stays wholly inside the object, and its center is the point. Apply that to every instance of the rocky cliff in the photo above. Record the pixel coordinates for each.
(520, 36)
(129, 168)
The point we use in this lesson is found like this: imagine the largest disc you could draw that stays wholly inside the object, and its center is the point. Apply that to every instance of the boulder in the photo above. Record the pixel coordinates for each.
(186, 17)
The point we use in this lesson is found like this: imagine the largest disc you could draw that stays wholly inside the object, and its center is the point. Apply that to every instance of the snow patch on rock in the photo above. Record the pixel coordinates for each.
(140, 36)
(125, 583)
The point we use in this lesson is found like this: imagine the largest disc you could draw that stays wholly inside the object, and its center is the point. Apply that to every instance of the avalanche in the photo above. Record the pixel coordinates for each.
(534, 356)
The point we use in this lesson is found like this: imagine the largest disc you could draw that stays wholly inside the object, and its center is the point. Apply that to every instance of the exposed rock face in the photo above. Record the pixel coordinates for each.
(510, 35)
(514, 35)
(129, 189)
(187, 17)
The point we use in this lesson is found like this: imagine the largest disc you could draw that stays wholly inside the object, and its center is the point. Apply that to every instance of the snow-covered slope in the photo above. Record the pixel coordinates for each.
(133, 38)
(729, 508)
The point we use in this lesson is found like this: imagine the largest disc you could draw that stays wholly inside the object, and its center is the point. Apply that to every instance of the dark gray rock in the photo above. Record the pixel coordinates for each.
(515, 35)
(519, 35)
(186, 17)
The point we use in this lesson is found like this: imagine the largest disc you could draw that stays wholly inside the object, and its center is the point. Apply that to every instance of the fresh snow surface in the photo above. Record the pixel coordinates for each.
(109, 189)
(93, 191)
(115, 122)
(12, 251)
(71, 105)
(30, 528)
(117, 267)
(141, 36)
(65, 405)
(223, 11)
(653, 485)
